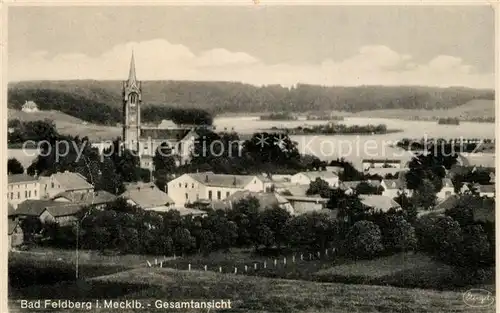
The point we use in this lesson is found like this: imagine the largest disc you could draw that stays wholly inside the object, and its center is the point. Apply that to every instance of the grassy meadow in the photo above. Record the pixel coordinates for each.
(258, 294)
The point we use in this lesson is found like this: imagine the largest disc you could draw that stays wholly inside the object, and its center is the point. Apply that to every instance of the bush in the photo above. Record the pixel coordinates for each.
(400, 236)
(364, 240)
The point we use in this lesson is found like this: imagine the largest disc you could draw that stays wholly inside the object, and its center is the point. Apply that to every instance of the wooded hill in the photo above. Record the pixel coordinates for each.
(100, 101)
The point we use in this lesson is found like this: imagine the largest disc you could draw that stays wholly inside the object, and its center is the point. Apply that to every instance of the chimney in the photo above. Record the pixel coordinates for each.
(206, 178)
(234, 181)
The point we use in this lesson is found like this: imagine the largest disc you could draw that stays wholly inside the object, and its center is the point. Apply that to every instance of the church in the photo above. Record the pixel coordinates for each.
(146, 140)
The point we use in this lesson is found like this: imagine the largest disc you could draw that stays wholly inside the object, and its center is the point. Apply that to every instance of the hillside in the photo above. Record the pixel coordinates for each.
(224, 97)
(473, 109)
(258, 294)
(56, 116)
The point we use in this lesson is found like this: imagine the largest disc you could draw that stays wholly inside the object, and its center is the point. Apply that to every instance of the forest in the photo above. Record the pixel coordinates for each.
(101, 101)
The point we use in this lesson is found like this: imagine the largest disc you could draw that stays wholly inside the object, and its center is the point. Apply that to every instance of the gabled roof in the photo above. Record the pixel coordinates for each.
(485, 188)
(56, 209)
(266, 199)
(222, 180)
(388, 161)
(354, 184)
(182, 210)
(315, 199)
(21, 178)
(10, 209)
(384, 171)
(12, 226)
(146, 195)
(167, 134)
(298, 190)
(72, 181)
(447, 182)
(313, 175)
(97, 197)
(394, 183)
(378, 202)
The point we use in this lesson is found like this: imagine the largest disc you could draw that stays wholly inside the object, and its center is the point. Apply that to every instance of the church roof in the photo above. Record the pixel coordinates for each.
(132, 78)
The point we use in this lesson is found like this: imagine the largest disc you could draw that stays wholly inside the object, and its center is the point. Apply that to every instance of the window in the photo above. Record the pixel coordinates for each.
(34, 192)
(180, 185)
(26, 193)
(52, 185)
(11, 195)
(197, 196)
(192, 185)
(218, 195)
(18, 195)
(210, 194)
(29, 194)
(187, 196)
(227, 194)
(185, 185)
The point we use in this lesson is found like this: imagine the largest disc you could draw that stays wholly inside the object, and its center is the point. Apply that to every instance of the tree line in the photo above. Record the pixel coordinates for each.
(222, 97)
(95, 109)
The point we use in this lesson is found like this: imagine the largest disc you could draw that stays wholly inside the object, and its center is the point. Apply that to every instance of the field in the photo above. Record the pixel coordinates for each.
(127, 277)
(252, 294)
(472, 109)
(69, 125)
(412, 270)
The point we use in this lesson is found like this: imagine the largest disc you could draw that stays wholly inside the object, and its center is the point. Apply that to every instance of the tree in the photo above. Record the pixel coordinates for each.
(365, 188)
(274, 219)
(183, 241)
(400, 235)
(364, 240)
(265, 236)
(407, 205)
(163, 160)
(14, 166)
(425, 195)
(319, 187)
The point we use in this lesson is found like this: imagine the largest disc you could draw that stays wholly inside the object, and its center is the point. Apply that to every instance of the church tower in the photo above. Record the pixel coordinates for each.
(131, 109)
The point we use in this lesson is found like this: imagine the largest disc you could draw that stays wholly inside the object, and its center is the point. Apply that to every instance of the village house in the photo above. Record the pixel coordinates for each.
(306, 204)
(485, 190)
(384, 171)
(15, 234)
(305, 178)
(394, 187)
(267, 200)
(97, 199)
(147, 196)
(349, 187)
(29, 107)
(379, 203)
(335, 169)
(65, 181)
(22, 187)
(49, 211)
(193, 187)
(380, 163)
(447, 190)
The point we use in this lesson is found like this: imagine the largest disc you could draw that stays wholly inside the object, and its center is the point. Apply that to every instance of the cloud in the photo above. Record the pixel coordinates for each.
(159, 59)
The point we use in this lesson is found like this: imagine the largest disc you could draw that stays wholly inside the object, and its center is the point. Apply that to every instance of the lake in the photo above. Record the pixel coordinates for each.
(355, 147)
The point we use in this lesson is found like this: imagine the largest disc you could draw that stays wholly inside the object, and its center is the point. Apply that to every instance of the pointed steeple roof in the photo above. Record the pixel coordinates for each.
(132, 79)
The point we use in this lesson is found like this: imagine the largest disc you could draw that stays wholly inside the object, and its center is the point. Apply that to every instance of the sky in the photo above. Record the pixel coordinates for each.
(325, 45)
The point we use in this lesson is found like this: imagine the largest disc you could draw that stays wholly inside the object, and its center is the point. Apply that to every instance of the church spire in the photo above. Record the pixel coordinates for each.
(132, 79)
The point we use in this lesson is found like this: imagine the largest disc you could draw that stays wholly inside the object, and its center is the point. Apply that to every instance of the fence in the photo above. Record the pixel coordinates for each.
(282, 261)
